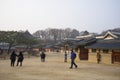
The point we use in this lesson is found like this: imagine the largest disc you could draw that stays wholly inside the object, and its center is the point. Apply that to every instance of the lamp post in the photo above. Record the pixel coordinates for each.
(66, 44)
(66, 47)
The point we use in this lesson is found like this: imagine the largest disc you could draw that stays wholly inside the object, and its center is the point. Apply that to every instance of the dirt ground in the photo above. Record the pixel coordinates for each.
(56, 69)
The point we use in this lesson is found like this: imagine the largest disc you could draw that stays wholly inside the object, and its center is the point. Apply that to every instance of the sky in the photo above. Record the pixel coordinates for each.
(33, 15)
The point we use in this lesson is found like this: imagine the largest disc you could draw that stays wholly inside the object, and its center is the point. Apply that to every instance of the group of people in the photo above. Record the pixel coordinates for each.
(43, 55)
(13, 58)
(21, 57)
(73, 56)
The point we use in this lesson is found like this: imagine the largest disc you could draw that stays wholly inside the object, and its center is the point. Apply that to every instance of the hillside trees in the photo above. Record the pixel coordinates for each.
(26, 39)
(17, 38)
(54, 34)
(8, 37)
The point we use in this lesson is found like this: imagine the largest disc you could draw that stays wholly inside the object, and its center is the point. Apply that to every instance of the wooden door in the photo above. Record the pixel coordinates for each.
(116, 57)
(83, 55)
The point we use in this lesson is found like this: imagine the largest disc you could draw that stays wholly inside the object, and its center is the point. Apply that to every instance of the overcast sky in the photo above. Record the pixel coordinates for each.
(33, 15)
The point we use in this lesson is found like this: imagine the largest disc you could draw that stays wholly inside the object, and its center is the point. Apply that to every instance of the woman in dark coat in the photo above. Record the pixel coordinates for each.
(20, 59)
(13, 58)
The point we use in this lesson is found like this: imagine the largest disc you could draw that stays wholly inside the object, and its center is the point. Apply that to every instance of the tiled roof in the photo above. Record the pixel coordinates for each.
(86, 41)
(106, 44)
(113, 34)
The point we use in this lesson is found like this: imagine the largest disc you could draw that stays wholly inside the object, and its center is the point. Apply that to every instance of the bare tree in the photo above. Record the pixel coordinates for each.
(67, 32)
(53, 34)
(74, 33)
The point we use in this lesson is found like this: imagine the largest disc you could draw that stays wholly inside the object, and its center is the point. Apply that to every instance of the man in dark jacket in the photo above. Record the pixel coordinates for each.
(73, 56)
(13, 58)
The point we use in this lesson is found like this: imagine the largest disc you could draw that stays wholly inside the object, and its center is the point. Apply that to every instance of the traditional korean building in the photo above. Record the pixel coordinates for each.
(108, 47)
(82, 51)
(79, 44)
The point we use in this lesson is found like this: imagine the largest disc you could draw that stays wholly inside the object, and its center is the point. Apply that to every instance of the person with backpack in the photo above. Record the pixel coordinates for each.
(42, 55)
(73, 56)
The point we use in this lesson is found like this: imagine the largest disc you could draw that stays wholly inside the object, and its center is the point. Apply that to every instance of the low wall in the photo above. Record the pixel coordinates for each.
(105, 57)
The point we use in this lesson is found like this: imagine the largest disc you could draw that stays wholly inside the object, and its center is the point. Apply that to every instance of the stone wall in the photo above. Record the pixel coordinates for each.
(105, 57)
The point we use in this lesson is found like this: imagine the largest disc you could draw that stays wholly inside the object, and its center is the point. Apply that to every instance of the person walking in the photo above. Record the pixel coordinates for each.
(42, 55)
(13, 58)
(20, 59)
(65, 57)
(73, 56)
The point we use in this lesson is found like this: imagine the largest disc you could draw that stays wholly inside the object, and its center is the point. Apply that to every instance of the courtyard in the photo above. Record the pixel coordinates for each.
(54, 68)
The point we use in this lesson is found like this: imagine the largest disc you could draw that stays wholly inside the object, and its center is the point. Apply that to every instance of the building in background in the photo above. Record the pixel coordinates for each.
(108, 47)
